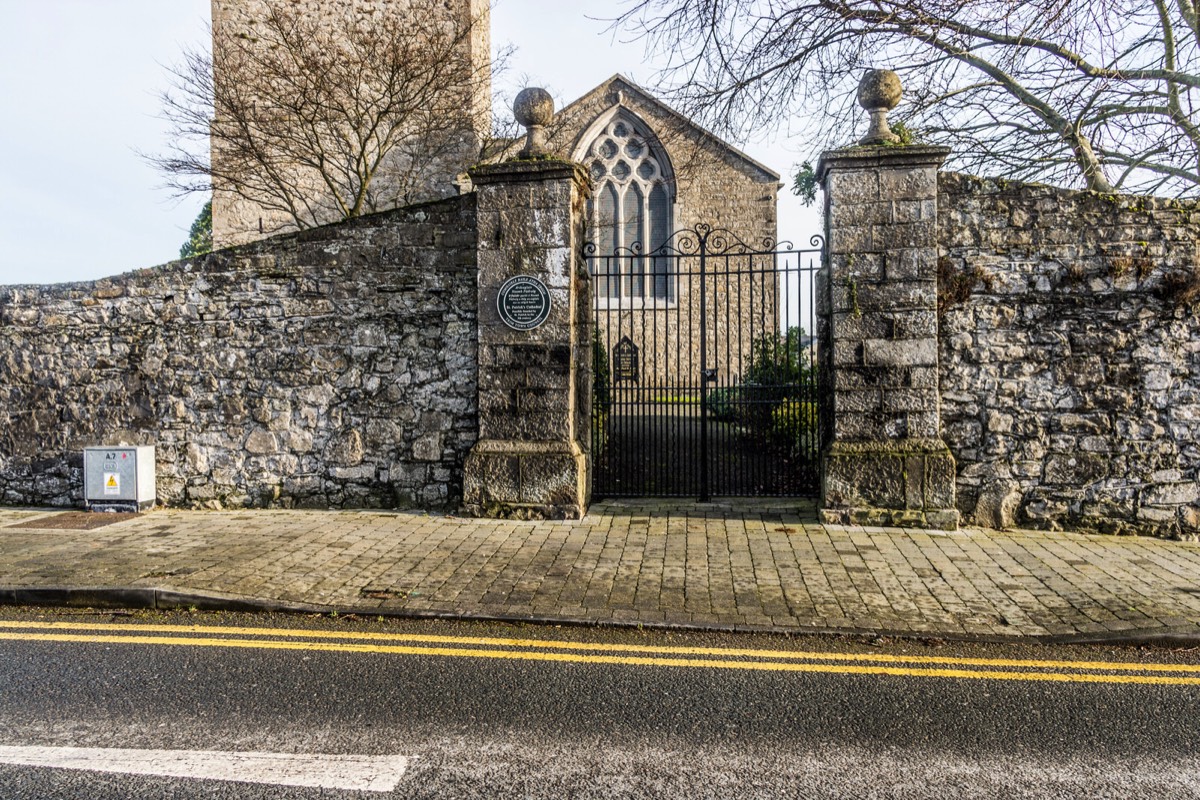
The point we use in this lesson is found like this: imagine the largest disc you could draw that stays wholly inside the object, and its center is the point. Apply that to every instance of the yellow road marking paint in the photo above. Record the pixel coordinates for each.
(554, 644)
(576, 658)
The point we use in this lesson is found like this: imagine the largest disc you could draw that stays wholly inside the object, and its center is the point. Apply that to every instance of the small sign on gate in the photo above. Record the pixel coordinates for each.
(625, 361)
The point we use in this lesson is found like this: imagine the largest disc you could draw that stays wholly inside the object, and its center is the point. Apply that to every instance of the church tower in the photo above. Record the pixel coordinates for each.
(429, 140)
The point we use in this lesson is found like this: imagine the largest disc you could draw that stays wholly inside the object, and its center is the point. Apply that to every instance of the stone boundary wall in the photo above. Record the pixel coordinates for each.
(1070, 356)
(330, 368)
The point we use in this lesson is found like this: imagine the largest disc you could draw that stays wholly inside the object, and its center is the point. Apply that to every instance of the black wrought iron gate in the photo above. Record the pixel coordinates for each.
(705, 368)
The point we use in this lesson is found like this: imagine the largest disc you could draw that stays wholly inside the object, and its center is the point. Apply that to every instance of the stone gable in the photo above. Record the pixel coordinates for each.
(716, 184)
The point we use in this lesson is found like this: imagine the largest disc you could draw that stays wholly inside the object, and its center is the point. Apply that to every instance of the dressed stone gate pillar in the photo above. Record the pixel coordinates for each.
(884, 462)
(531, 459)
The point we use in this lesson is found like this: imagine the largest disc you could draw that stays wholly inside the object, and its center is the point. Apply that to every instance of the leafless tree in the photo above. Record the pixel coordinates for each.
(323, 118)
(1097, 93)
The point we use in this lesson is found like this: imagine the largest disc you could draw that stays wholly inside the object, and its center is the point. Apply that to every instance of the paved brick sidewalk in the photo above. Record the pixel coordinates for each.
(759, 565)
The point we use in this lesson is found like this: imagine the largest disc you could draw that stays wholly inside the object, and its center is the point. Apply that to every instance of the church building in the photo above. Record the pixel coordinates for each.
(656, 176)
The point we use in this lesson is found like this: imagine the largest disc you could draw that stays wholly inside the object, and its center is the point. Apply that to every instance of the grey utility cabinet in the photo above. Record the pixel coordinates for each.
(118, 478)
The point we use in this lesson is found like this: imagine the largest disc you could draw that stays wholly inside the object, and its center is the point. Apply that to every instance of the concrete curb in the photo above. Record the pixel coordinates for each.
(166, 599)
(145, 597)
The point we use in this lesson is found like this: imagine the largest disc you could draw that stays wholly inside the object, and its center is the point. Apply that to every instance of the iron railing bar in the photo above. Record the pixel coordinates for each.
(781, 475)
(703, 371)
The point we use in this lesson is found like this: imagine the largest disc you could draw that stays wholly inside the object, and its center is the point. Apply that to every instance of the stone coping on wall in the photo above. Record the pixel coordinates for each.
(528, 169)
(217, 259)
(877, 156)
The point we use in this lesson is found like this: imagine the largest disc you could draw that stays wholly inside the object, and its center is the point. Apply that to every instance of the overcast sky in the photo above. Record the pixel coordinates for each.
(79, 86)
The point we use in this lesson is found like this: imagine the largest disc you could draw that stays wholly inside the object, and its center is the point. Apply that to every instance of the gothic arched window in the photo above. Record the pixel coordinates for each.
(630, 212)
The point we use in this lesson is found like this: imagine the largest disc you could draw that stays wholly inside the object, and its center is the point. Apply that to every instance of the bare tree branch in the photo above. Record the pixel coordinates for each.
(1079, 86)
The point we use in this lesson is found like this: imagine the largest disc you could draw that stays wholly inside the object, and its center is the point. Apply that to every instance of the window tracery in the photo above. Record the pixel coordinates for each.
(631, 212)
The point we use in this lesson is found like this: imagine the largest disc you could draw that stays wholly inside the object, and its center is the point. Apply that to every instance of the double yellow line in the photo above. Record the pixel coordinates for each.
(553, 650)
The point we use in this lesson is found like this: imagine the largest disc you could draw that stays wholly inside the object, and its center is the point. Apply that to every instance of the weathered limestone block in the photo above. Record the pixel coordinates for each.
(999, 499)
(526, 480)
(907, 482)
(428, 447)
(1189, 519)
(261, 442)
(345, 449)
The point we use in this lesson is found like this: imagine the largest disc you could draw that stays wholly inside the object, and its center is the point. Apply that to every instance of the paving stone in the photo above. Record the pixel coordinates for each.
(667, 562)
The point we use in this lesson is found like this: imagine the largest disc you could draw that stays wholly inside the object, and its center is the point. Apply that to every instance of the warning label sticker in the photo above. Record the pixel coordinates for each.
(112, 483)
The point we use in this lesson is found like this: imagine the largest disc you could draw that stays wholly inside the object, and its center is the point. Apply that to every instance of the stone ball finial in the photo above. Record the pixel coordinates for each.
(879, 88)
(534, 108)
(879, 92)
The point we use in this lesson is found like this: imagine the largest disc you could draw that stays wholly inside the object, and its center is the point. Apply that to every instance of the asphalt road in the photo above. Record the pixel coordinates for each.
(473, 710)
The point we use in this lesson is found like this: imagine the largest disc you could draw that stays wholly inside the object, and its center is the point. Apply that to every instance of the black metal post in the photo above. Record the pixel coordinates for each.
(704, 498)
